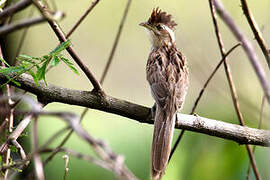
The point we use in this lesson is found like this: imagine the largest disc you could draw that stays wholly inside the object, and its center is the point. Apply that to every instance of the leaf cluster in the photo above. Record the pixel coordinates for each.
(37, 66)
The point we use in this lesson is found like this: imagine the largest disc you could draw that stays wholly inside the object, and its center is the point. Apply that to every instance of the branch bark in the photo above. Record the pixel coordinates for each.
(237, 133)
(15, 8)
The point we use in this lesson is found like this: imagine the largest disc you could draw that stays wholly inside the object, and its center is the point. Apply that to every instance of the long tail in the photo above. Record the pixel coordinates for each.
(162, 139)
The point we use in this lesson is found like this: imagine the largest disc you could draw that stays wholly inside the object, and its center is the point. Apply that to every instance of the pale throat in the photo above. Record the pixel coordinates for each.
(159, 41)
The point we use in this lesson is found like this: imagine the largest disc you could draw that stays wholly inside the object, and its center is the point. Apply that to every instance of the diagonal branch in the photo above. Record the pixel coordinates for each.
(237, 133)
(232, 86)
(14, 8)
(39, 170)
(256, 31)
(90, 8)
(61, 36)
(22, 24)
(250, 51)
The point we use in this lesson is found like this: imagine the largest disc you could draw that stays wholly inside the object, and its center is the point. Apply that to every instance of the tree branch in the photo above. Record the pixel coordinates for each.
(247, 46)
(15, 8)
(62, 38)
(76, 25)
(232, 86)
(256, 31)
(24, 23)
(239, 134)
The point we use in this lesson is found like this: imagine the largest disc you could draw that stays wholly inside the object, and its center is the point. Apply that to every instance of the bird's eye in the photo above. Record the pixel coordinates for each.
(159, 27)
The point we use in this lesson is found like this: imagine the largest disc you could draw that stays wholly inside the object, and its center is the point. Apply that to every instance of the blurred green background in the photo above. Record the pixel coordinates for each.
(198, 156)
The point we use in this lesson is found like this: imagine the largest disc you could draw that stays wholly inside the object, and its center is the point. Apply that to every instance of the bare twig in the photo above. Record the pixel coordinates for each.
(76, 25)
(13, 139)
(256, 31)
(63, 142)
(66, 159)
(211, 76)
(9, 118)
(115, 42)
(17, 132)
(61, 36)
(36, 157)
(99, 147)
(20, 148)
(226, 66)
(9, 11)
(250, 51)
(70, 152)
(232, 86)
(200, 95)
(22, 24)
(54, 137)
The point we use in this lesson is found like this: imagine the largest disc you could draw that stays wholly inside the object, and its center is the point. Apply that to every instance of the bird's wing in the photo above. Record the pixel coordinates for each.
(156, 76)
(181, 82)
(167, 75)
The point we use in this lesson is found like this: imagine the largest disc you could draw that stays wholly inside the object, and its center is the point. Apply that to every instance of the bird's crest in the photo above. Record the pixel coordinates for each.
(159, 16)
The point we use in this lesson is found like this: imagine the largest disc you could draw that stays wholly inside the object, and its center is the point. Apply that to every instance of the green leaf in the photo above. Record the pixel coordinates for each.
(3, 61)
(70, 65)
(34, 77)
(26, 60)
(27, 57)
(55, 60)
(42, 71)
(61, 47)
(46, 57)
(12, 69)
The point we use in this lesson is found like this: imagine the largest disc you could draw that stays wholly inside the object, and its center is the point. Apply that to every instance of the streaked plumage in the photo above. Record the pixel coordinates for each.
(167, 74)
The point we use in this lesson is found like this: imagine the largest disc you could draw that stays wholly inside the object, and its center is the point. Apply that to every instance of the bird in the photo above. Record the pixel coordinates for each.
(168, 76)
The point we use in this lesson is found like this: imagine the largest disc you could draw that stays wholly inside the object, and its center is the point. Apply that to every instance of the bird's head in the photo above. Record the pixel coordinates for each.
(160, 27)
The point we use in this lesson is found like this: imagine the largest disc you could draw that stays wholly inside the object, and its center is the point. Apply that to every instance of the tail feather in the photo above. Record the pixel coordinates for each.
(162, 139)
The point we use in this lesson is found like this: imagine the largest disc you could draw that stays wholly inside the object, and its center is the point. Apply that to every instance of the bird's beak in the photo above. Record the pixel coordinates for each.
(146, 25)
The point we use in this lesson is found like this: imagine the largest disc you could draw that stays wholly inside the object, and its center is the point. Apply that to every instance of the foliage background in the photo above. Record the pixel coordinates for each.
(198, 156)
